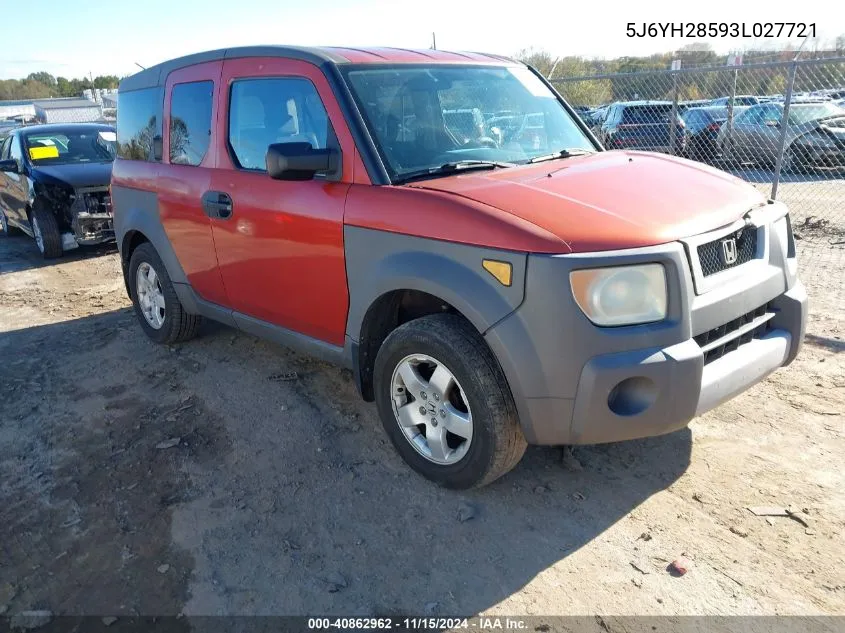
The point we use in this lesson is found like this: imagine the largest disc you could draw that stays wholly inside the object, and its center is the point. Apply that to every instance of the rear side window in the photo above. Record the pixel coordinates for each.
(647, 114)
(139, 124)
(267, 111)
(190, 122)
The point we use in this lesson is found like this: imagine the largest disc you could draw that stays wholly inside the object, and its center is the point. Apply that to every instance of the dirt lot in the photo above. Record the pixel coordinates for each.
(231, 476)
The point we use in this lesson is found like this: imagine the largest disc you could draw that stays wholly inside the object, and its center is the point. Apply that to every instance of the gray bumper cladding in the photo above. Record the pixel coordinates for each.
(636, 394)
(651, 392)
(575, 383)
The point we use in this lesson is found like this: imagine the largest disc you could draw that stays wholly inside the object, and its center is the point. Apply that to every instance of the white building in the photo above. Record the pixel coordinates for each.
(68, 111)
(22, 107)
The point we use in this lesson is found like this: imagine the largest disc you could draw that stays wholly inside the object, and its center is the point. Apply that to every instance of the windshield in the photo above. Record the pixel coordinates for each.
(70, 146)
(424, 117)
(804, 113)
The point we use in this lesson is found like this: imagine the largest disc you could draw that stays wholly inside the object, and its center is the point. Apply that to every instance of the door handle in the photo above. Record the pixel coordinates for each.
(217, 205)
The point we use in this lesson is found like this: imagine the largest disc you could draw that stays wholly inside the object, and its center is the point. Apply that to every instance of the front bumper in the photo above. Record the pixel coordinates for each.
(655, 391)
(575, 383)
(820, 157)
(93, 228)
(92, 220)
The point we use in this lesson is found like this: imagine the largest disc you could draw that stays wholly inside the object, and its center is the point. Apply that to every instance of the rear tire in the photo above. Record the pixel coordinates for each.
(477, 390)
(159, 311)
(48, 238)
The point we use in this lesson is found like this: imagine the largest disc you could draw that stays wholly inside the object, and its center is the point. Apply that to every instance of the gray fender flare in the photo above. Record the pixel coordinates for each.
(137, 210)
(379, 262)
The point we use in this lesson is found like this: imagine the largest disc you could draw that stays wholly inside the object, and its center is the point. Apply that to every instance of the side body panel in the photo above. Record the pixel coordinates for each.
(15, 192)
(137, 212)
(180, 189)
(280, 252)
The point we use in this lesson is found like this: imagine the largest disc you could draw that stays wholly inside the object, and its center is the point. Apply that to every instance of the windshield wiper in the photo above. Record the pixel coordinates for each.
(564, 153)
(451, 168)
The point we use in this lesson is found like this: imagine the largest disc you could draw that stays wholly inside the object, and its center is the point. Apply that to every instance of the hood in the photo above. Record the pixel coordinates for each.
(611, 200)
(77, 175)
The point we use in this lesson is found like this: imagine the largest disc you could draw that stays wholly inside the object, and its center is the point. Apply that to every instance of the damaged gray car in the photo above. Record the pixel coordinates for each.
(54, 185)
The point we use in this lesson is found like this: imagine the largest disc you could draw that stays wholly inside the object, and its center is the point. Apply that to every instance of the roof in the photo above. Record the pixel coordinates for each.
(18, 102)
(642, 103)
(51, 127)
(55, 104)
(156, 75)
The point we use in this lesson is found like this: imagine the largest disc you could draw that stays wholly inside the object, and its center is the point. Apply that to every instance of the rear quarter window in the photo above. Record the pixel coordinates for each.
(190, 122)
(139, 115)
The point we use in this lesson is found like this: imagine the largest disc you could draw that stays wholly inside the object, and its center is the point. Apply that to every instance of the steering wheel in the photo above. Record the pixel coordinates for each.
(482, 141)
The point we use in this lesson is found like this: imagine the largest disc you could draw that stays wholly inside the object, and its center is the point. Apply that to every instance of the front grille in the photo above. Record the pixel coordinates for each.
(705, 338)
(713, 257)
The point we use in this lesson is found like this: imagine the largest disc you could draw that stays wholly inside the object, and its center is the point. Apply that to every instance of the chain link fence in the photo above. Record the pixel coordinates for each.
(780, 126)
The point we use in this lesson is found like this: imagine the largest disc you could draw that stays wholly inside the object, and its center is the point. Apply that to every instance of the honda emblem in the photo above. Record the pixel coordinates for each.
(729, 253)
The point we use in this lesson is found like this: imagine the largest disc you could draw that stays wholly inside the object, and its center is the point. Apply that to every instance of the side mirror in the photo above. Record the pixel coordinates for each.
(299, 161)
(10, 165)
(773, 123)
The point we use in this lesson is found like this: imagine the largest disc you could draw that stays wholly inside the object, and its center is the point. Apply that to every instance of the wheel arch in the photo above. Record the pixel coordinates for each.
(137, 220)
(395, 278)
(386, 313)
(132, 239)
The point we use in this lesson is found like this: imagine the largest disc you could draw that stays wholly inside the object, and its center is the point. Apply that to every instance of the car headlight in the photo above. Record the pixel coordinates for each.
(621, 295)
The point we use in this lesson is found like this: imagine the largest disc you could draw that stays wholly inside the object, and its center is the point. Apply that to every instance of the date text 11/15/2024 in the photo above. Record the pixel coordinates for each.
(480, 623)
(721, 29)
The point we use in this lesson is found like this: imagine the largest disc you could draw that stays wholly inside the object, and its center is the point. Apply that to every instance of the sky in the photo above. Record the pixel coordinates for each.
(77, 37)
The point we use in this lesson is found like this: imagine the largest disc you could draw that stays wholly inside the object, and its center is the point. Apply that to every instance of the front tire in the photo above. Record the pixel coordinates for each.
(161, 314)
(791, 162)
(445, 403)
(45, 229)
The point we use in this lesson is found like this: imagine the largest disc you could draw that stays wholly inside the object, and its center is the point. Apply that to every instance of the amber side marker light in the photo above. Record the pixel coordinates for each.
(502, 271)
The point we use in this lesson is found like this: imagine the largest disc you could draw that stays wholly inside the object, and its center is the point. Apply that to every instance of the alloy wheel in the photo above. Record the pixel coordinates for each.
(431, 409)
(150, 295)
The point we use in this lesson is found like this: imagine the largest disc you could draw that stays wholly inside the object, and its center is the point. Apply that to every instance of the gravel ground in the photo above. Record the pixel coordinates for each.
(231, 476)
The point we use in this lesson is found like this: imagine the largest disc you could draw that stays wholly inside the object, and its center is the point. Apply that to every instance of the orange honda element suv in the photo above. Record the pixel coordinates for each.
(445, 225)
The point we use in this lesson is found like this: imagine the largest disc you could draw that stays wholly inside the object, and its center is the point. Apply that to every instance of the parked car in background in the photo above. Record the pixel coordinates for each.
(54, 185)
(683, 106)
(756, 133)
(643, 125)
(7, 125)
(702, 126)
(739, 100)
(821, 145)
(595, 117)
(583, 111)
(834, 94)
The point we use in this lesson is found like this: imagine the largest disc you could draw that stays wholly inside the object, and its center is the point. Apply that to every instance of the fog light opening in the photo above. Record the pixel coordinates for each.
(632, 396)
